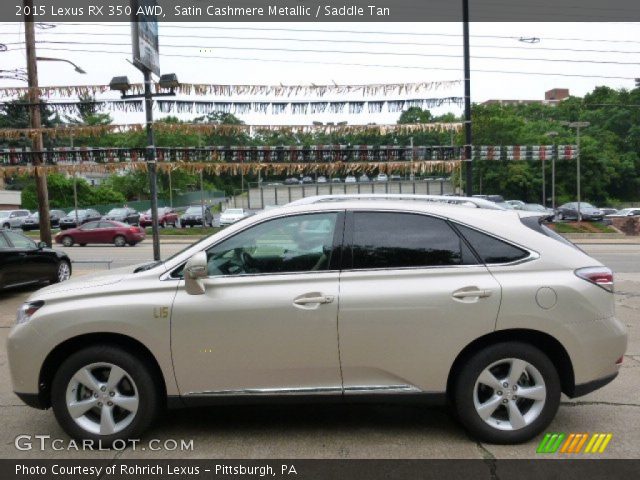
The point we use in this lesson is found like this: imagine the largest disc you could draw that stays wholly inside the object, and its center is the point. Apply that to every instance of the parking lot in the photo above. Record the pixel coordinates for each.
(339, 431)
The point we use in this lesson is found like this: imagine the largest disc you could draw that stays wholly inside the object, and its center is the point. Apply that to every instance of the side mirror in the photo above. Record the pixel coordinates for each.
(42, 245)
(194, 271)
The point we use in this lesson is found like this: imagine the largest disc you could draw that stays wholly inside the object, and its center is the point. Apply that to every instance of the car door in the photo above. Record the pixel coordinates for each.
(10, 263)
(87, 233)
(34, 265)
(412, 296)
(267, 322)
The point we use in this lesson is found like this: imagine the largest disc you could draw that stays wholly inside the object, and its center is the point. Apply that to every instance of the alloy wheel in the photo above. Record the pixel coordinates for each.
(64, 271)
(509, 394)
(102, 398)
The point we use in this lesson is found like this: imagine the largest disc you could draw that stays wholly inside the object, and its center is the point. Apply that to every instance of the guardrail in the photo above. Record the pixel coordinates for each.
(107, 262)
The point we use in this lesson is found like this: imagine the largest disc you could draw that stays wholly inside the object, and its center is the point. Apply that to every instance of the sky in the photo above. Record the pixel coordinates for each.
(581, 54)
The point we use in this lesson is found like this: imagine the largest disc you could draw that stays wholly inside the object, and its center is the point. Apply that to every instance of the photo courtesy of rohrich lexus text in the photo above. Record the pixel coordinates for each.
(319, 239)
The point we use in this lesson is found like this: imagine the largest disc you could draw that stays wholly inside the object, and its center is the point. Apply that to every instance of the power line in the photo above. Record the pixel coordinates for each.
(349, 52)
(212, 57)
(365, 42)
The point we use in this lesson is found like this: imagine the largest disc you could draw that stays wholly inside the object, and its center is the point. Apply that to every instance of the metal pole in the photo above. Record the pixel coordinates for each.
(151, 164)
(75, 185)
(170, 191)
(578, 170)
(467, 98)
(553, 176)
(202, 198)
(544, 185)
(38, 146)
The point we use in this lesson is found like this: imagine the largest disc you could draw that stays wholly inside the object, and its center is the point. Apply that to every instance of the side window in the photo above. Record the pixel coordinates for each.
(399, 240)
(490, 249)
(89, 226)
(19, 241)
(106, 225)
(301, 243)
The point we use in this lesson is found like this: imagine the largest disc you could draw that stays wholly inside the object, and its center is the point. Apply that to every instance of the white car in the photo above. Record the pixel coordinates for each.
(13, 218)
(232, 215)
(350, 179)
(382, 177)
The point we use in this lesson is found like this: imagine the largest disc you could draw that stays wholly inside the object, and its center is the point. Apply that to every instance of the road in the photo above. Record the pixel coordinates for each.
(339, 431)
(623, 258)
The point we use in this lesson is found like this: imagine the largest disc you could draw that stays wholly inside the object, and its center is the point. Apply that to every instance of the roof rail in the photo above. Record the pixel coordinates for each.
(445, 199)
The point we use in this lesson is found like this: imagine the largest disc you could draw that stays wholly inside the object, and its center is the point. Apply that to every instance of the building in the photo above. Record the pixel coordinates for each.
(551, 97)
(10, 199)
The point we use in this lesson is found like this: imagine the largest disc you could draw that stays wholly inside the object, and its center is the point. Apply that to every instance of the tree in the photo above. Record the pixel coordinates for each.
(415, 115)
(89, 113)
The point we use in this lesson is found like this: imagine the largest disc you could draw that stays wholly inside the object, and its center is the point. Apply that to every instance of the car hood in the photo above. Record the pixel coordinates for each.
(80, 284)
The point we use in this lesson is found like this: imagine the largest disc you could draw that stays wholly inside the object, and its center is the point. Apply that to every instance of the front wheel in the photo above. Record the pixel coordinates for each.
(104, 393)
(119, 241)
(67, 241)
(63, 272)
(507, 393)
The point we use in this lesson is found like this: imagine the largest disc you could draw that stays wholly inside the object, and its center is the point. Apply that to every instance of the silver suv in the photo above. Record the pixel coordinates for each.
(13, 218)
(354, 299)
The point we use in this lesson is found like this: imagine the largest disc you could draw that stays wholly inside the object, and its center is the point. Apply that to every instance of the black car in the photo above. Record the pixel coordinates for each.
(124, 215)
(196, 215)
(292, 181)
(569, 211)
(32, 222)
(84, 216)
(25, 262)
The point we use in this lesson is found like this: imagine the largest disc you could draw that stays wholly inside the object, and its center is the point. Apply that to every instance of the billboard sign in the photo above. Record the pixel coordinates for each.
(144, 35)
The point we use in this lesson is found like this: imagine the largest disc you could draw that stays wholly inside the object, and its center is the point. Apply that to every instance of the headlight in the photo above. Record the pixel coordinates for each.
(26, 310)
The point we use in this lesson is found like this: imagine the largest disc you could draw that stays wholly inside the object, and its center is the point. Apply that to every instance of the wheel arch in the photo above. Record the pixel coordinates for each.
(549, 345)
(74, 344)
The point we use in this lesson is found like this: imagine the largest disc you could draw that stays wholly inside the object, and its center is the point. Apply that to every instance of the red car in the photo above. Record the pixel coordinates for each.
(104, 231)
(166, 216)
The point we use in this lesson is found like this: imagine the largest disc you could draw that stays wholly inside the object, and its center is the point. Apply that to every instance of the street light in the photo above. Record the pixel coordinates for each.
(49, 59)
(553, 135)
(577, 126)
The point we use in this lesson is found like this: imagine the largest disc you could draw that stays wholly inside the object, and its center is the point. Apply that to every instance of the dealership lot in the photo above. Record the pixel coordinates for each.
(335, 431)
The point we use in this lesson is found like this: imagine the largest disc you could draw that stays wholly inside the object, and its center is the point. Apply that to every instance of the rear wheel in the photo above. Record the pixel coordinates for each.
(163, 224)
(119, 241)
(67, 241)
(104, 393)
(133, 244)
(6, 225)
(507, 393)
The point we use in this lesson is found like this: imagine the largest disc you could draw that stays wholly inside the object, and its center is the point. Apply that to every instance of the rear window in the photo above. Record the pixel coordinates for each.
(536, 224)
(491, 249)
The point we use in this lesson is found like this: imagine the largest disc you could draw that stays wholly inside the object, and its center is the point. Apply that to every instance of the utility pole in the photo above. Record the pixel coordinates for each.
(577, 126)
(467, 97)
(34, 108)
(553, 135)
(151, 163)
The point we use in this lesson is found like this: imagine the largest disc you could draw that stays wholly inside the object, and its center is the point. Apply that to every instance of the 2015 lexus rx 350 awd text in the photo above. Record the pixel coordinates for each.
(351, 299)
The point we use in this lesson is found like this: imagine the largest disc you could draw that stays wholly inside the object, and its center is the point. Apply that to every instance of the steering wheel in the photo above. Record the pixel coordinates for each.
(247, 261)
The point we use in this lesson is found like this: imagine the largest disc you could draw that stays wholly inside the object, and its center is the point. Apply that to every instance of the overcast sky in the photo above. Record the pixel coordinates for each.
(387, 53)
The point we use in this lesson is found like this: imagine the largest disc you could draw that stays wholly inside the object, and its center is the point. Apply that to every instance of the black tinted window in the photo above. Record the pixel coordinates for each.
(490, 249)
(397, 240)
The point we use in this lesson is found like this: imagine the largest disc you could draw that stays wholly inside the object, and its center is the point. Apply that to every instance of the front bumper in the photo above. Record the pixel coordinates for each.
(191, 222)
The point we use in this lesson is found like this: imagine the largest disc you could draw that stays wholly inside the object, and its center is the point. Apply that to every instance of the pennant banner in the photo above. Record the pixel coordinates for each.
(233, 154)
(303, 108)
(202, 89)
(528, 152)
(225, 129)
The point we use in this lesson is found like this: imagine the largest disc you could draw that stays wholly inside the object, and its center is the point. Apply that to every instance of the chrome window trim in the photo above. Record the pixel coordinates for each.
(364, 389)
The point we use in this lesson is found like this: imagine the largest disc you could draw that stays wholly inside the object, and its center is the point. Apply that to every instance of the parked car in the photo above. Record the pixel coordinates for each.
(608, 211)
(625, 212)
(32, 222)
(547, 213)
(84, 216)
(166, 216)
(232, 215)
(25, 262)
(350, 179)
(13, 218)
(103, 231)
(124, 215)
(196, 215)
(307, 180)
(395, 178)
(569, 211)
(517, 204)
(530, 316)
(322, 179)
(292, 181)
(364, 178)
(336, 180)
(382, 177)
(492, 198)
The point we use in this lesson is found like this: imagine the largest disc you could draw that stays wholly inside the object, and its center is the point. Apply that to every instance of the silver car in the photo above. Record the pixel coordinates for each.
(487, 310)
(13, 218)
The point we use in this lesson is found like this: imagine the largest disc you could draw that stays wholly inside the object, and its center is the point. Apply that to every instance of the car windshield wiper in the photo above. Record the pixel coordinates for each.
(147, 266)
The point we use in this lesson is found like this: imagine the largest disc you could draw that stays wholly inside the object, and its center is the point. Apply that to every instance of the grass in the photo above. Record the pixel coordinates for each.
(164, 232)
(582, 227)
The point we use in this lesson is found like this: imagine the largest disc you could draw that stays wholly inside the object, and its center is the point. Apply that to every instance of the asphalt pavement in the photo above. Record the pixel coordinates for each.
(339, 431)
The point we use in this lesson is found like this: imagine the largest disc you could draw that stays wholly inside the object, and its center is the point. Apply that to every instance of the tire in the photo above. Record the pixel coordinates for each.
(119, 241)
(67, 241)
(163, 224)
(137, 390)
(182, 225)
(503, 425)
(63, 272)
(132, 244)
(560, 216)
(82, 244)
(7, 226)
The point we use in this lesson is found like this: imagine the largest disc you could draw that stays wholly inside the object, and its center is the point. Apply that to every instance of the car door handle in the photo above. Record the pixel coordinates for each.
(313, 300)
(471, 293)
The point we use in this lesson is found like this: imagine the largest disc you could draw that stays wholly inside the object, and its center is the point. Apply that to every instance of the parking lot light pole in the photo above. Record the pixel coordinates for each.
(577, 126)
(554, 157)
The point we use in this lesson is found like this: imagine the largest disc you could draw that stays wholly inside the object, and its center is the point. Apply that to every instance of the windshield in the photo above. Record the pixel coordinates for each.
(72, 213)
(4, 214)
(194, 210)
(534, 208)
(586, 205)
(117, 211)
(234, 211)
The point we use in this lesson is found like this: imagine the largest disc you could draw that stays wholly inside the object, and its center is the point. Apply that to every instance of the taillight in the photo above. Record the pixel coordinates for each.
(600, 276)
